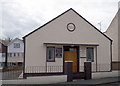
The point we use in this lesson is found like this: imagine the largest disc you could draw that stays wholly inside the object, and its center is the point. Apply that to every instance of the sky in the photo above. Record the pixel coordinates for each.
(20, 17)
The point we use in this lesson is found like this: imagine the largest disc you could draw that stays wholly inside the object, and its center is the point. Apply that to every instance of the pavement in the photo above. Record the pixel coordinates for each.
(100, 81)
(111, 81)
(36, 80)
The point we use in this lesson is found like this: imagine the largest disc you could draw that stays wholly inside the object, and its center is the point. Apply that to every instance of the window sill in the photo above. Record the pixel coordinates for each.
(50, 60)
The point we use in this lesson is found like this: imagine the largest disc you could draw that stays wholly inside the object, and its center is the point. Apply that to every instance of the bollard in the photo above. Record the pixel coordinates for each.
(87, 70)
(68, 70)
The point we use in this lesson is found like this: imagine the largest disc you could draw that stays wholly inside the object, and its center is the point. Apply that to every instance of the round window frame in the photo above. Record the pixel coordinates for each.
(73, 28)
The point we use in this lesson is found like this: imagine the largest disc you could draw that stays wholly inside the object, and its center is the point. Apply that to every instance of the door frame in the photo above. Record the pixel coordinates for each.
(77, 47)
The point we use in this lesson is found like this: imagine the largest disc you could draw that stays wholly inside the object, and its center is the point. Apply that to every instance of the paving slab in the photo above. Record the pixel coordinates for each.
(95, 81)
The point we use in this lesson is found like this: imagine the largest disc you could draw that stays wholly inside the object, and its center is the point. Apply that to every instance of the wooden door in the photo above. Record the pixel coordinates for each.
(71, 56)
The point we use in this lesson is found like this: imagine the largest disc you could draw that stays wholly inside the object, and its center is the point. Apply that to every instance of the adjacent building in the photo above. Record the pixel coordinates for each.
(113, 32)
(68, 37)
(15, 52)
(3, 54)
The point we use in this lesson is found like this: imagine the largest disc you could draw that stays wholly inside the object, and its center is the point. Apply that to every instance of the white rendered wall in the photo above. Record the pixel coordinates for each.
(56, 32)
(12, 49)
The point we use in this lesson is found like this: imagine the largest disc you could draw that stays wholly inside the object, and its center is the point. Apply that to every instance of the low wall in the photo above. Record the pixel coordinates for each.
(98, 75)
(38, 80)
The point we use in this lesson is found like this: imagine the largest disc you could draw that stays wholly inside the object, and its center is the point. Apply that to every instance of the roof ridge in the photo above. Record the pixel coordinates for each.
(63, 14)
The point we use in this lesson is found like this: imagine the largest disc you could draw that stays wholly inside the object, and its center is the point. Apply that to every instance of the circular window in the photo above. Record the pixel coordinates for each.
(71, 27)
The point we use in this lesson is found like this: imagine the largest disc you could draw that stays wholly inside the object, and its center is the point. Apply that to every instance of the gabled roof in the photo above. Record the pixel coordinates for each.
(14, 40)
(63, 14)
(112, 20)
(4, 42)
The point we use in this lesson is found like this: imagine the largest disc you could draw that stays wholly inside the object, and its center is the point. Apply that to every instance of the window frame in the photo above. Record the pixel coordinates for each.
(3, 55)
(10, 54)
(14, 54)
(47, 59)
(15, 45)
(59, 53)
(90, 59)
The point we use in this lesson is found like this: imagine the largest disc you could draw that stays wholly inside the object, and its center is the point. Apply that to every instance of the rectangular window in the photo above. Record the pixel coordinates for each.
(90, 54)
(3, 55)
(14, 54)
(16, 45)
(50, 54)
(10, 54)
(58, 53)
(18, 54)
(72, 49)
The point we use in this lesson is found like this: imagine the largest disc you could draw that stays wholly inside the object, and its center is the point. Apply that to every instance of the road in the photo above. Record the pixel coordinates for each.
(111, 84)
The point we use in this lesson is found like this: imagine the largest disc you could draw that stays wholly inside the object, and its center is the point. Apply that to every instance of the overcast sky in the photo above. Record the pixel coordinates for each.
(19, 17)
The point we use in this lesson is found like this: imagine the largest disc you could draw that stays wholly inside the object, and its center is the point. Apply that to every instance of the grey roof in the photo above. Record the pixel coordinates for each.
(13, 41)
(4, 42)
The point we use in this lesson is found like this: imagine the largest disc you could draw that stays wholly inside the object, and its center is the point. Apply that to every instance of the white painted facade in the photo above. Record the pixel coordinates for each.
(11, 46)
(56, 32)
(15, 54)
(113, 32)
